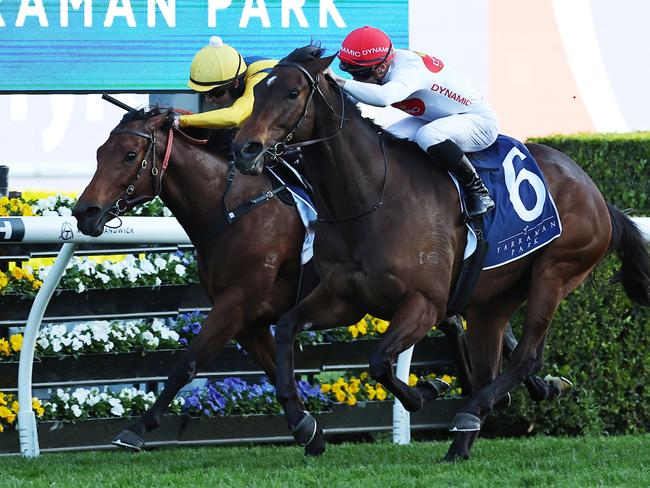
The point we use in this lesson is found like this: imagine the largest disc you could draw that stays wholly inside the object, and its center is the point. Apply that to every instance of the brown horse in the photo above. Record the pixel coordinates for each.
(382, 204)
(249, 269)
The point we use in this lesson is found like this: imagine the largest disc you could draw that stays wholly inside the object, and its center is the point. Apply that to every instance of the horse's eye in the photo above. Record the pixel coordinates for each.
(130, 156)
(294, 94)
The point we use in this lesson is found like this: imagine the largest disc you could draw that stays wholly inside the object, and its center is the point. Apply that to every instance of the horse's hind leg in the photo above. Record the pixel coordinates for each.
(222, 323)
(539, 389)
(484, 343)
(320, 310)
(259, 343)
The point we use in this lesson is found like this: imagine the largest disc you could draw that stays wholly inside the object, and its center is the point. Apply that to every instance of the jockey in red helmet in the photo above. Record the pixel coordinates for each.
(448, 116)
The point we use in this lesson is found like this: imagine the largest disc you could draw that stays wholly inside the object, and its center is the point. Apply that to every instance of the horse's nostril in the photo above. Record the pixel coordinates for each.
(252, 149)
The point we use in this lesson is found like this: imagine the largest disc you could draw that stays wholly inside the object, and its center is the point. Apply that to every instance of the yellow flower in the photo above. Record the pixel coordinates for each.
(28, 276)
(17, 272)
(361, 327)
(325, 388)
(381, 394)
(2, 429)
(413, 380)
(37, 407)
(4, 201)
(353, 331)
(4, 280)
(26, 209)
(446, 378)
(36, 284)
(340, 396)
(353, 387)
(381, 325)
(370, 391)
(16, 342)
(3, 212)
(352, 400)
(4, 347)
(15, 406)
(3, 399)
(7, 414)
(363, 376)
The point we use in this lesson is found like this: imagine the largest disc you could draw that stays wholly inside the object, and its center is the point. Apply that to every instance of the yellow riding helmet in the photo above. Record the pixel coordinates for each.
(217, 64)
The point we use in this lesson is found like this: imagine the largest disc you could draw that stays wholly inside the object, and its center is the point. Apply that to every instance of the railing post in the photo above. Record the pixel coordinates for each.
(26, 419)
(401, 417)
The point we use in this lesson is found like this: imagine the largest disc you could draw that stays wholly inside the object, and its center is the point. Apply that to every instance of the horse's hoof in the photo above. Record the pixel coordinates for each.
(129, 440)
(504, 402)
(465, 422)
(306, 429)
(316, 446)
(559, 383)
(454, 457)
(432, 389)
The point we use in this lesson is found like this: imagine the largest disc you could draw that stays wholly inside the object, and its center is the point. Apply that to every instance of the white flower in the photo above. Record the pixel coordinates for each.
(132, 274)
(80, 286)
(158, 282)
(81, 395)
(58, 330)
(157, 325)
(76, 344)
(92, 400)
(43, 342)
(179, 270)
(147, 336)
(50, 213)
(147, 267)
(104, 277)
(56, 345)
(108, 347)
(160, 262)
(117, 408)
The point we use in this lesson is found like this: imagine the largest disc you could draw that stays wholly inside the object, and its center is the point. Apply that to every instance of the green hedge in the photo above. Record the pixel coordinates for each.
(598, 338)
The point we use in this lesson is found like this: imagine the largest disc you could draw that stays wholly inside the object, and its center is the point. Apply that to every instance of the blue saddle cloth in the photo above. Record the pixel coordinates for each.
(525, 217)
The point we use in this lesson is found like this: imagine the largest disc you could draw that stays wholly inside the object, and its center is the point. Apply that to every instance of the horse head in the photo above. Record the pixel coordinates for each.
(128, 170)
(281, 110)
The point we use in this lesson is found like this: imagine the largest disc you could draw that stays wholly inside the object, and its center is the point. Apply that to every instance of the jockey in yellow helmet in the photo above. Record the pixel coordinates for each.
(227, 80)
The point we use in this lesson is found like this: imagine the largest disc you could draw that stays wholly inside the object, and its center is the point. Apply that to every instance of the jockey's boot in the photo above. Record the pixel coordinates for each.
(451, 158)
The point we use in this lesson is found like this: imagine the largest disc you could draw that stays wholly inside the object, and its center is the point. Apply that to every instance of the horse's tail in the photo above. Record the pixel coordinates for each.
(627, 241)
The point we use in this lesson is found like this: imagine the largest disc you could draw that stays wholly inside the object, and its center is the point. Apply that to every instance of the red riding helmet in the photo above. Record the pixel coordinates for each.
(366, 46)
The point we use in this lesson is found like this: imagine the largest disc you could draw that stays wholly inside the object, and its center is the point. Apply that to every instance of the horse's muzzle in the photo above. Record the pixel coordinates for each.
(249, 158)
(90, 219)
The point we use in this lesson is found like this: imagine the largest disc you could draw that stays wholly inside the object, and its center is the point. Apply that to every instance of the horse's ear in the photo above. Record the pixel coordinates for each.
(321, 64)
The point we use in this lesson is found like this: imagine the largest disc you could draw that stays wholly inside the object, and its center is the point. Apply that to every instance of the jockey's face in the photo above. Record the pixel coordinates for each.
(222, 97)
(372, 74)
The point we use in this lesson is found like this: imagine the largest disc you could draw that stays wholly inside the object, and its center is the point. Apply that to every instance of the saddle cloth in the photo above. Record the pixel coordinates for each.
(525, 217)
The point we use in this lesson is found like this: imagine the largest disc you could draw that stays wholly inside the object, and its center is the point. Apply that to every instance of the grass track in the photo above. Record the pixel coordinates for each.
(541, 461)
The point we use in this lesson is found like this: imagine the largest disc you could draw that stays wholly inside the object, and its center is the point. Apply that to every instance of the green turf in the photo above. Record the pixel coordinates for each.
(582, 462)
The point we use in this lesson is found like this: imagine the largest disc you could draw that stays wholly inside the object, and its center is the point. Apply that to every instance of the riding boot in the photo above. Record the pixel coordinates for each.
(452, 159)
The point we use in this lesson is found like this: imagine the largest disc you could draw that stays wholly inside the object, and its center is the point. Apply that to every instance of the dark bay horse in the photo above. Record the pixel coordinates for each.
(250, 270)
(382, 204)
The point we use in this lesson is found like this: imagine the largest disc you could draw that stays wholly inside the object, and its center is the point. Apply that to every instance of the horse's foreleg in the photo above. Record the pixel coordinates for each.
(413, 320)
(320, 310)
(223, 322)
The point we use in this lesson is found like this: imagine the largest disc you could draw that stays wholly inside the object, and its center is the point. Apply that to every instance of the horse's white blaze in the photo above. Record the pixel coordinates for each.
(271, 80)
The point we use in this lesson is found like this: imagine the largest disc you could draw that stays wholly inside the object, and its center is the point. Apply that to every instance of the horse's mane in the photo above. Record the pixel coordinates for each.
(141, 114)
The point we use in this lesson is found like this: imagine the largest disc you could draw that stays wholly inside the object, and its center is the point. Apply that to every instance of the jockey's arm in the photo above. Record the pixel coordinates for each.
(233, 116)
(400, 86)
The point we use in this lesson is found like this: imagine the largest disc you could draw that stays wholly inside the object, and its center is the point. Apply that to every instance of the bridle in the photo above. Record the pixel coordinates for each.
(279, 148)
(123, 203)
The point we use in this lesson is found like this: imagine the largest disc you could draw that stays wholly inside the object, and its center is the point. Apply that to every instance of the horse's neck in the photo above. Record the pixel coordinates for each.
(348, 171)
(193, 188)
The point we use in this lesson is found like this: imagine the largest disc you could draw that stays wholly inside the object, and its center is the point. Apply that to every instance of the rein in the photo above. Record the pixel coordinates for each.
(280, 147)
(228, 217)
